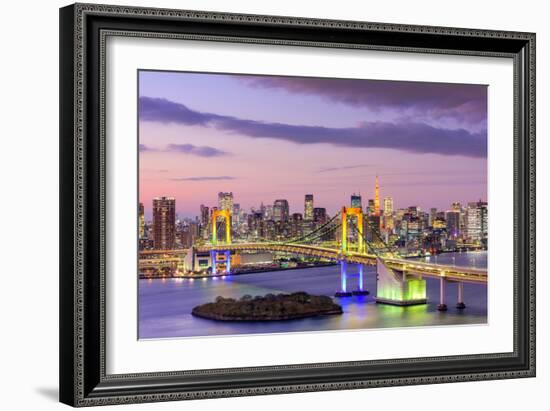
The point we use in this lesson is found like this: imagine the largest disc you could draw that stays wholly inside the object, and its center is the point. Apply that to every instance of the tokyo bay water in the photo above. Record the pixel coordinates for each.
(165, 304)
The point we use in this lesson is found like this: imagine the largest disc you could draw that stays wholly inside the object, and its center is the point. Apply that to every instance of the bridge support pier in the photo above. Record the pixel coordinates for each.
(395, 288)
(215, 259)
(344, 281)
(460, 300)
(442, 306)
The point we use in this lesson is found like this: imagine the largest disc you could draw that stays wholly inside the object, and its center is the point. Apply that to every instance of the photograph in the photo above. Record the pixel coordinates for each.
(283, 204)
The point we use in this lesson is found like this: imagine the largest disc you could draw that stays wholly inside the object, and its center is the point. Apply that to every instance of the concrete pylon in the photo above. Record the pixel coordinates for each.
(393, 287)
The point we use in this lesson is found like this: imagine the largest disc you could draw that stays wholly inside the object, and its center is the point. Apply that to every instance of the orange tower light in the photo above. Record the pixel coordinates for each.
(357, 212)
(226, 214)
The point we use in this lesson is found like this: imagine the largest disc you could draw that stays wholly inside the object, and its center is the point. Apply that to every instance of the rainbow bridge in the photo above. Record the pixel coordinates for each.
(400, 281)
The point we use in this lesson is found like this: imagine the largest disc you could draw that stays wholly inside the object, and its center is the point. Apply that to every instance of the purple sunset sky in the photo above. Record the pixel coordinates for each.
(268, 137)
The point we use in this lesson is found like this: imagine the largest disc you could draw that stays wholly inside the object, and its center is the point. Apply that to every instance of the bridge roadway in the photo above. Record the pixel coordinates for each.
(417, 268)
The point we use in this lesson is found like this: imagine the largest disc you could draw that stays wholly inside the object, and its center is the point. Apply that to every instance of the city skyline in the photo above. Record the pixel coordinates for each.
(148, 215)
(268, 138)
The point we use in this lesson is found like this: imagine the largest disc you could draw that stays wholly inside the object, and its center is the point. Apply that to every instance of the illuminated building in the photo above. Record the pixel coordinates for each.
(453, 223)
(189, 234)
(376, 198)
(477, 221)
(373, 228)
(236, 217)
(388, 206)
(319, 215)
(433, 212)
(204, 219)
(280, 210)
(356, 201)
(205, 215)
(267, 212)
(308, 207)
(141, 221)
(164, 223)
(370, 206)
(439, 223)
(225, 201)
(296, 225)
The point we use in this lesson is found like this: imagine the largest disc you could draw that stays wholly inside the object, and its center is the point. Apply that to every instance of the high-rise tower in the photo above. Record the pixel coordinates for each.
(164, 223)
(308, 207)
(376, 198)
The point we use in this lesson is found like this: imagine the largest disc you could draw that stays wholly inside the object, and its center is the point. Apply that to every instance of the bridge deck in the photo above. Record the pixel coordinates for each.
(450, 272)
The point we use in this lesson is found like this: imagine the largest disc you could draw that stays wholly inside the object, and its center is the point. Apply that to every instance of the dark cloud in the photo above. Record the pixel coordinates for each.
(464, 102)
(165, 111)
(407, 136)
(204, 178)
(201, 151)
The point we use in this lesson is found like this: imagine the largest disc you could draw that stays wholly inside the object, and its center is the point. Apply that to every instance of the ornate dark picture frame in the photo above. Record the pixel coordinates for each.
(83, 31)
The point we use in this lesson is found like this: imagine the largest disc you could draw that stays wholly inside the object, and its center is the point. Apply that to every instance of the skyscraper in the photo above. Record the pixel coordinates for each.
(388, 206)
(453, 223)
(141, 221)
(356, 201)
(376, 198)
(320, 215)
(308, 207)
(205, 215)
(477, 221)
(433, 212)
(388, 214)
(164, 223)
(280, 210)
(236, 217)
(225, 201)
(370, 206)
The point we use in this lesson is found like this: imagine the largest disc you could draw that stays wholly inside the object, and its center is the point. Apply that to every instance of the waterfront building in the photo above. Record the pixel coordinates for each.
(164, 223)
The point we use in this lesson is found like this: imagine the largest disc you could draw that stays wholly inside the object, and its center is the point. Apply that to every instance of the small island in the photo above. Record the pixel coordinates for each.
(270, 307)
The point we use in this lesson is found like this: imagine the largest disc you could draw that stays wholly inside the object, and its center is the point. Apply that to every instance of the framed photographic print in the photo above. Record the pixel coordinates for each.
(261, 204)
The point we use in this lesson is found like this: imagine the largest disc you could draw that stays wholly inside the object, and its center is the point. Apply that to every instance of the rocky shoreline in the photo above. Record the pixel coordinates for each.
(270, 307)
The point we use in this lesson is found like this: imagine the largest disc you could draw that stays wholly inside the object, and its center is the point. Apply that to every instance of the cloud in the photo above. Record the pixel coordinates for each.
(201, 151)
(327, 169)
(143, 148)
(407, 136)
(464, 102)
(204, 178)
